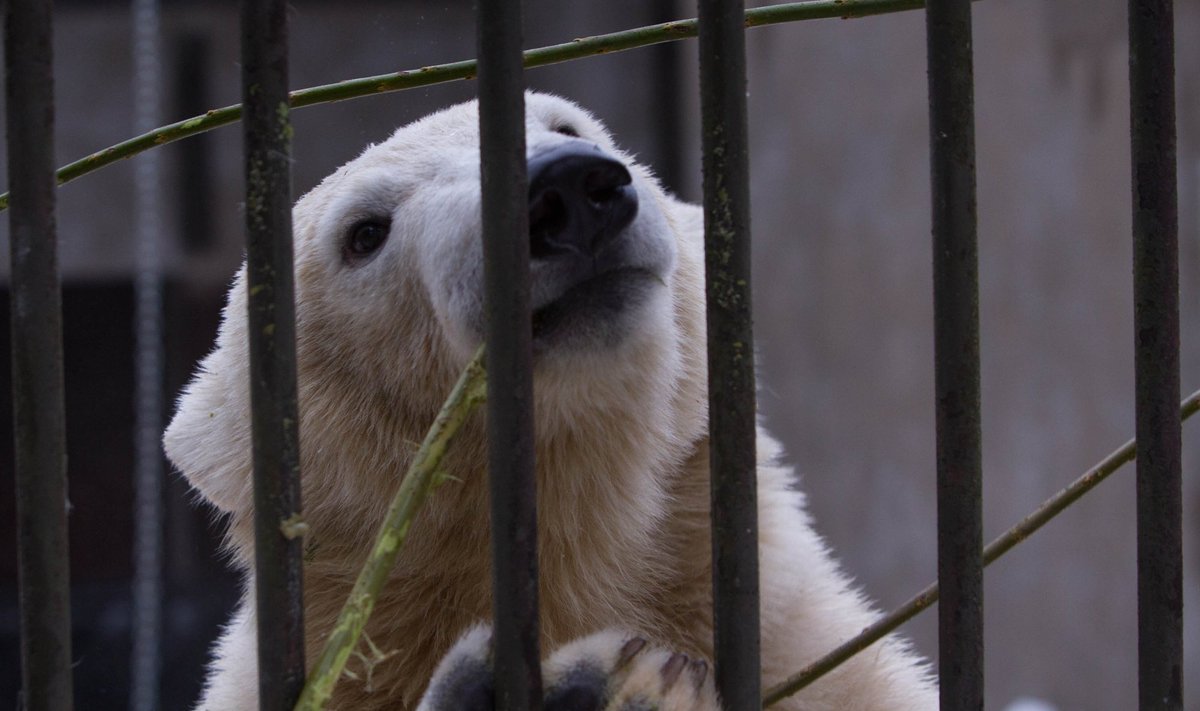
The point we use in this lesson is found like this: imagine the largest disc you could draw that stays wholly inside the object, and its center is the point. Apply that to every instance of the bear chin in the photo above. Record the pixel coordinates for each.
(599, 311)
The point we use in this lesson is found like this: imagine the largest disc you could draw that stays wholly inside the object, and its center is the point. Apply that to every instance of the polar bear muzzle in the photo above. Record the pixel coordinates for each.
(582, 204)
(580, 199)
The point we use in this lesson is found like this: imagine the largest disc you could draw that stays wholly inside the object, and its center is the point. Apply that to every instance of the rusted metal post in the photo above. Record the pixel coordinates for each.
(272, 318)
(37, 360)
(509, 356)
(1156, 354)
(731, 392)
(956, 352)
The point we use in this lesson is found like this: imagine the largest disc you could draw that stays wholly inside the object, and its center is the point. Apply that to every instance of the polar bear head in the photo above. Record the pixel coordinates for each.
(389, 301)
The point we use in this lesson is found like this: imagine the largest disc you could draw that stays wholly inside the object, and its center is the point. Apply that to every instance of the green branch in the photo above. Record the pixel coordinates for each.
(1030, 524)
(440, 73)
(423, 476)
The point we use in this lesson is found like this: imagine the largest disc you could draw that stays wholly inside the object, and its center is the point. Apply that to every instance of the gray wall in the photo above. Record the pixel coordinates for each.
(841, 203)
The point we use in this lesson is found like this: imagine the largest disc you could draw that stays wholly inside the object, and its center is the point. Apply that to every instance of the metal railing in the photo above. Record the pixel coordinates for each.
(274, 412)
(956, 353)
(509, 339)
(1156, 354)
(731, 395)
(37, 360)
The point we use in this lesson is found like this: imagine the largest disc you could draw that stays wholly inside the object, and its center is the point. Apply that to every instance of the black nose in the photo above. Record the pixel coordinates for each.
(579, 199)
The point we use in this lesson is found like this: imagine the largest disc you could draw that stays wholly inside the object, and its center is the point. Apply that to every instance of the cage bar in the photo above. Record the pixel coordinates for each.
(272, 319)
(147, 589)
(37, 361)
(1156, 354)
(956, 354)
(732, 427)
(509, 356)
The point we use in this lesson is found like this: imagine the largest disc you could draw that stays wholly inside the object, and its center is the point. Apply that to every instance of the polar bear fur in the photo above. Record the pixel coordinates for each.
(622, 474)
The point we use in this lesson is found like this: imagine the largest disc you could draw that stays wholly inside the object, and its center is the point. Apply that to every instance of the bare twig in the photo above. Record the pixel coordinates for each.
(423, 476)
(440, 73)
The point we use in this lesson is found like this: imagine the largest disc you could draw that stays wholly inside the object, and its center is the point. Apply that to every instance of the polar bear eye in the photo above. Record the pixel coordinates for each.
(566, 130)
(365, 239)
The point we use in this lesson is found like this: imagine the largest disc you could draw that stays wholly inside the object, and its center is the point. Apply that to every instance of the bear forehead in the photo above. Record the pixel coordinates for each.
(444, 147)
(456, 128)
(543, 111)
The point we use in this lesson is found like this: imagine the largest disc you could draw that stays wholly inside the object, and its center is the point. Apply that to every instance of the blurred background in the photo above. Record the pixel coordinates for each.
(843, 294)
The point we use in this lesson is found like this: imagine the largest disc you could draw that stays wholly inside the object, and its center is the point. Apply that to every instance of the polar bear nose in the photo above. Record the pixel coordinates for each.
(579, 199)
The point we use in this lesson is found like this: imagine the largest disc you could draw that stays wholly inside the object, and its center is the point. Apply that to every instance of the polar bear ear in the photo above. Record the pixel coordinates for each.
(208, 439)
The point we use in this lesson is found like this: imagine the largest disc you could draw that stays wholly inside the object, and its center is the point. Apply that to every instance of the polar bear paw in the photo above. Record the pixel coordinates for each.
(607, 671)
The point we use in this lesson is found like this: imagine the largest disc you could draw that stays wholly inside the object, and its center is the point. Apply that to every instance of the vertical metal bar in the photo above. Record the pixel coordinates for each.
(267, 147)
(731, 393)
(190, 58)
(37, 360)
(667, 81)
(956, 351)
(148, 319)
(509, 356)
(1156, 354)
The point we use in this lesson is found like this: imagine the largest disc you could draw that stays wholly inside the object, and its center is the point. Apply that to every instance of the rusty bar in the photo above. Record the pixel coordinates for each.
(272, 318)
(509, 355)
(733, 463)
(37, 361)
(956, 352)
(1156, 354)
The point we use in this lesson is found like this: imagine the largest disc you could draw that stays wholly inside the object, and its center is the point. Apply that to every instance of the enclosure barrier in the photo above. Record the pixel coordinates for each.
(956, 354)
(731, 396)
(1156, 354)
(278, 546)
(37, 361)
(148, 470)
(509, 339)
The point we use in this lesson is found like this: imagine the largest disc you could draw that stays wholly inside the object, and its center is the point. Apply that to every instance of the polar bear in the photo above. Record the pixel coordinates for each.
(389, 301)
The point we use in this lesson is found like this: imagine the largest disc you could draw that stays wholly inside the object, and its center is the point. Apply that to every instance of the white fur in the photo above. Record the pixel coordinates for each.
(621, 442)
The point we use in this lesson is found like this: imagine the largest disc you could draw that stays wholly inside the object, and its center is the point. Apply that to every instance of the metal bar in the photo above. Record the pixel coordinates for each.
(517, 663)
(267, 147)
(956, 349)
(148, 401)
(732, 459)
(191, 59)
(667, 62)
(37, 361)
(1156, 354)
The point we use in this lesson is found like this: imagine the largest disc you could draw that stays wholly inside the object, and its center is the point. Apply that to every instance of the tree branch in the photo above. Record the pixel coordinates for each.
(423, 476)
(441, 73)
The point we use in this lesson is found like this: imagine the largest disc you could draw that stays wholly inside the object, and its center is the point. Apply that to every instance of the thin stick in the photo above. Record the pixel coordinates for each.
(922, 600)
(423, 476)
(441, 73)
